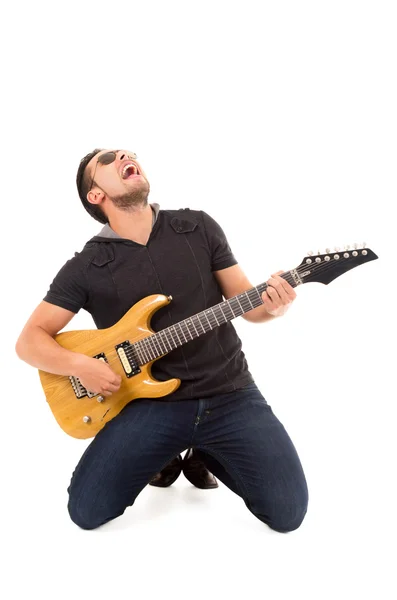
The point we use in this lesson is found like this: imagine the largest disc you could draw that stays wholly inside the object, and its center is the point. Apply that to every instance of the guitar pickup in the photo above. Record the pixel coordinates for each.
(128, 361)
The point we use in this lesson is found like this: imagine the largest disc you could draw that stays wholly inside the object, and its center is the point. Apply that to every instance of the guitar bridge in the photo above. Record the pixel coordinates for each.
(78, 387)
(127, 358)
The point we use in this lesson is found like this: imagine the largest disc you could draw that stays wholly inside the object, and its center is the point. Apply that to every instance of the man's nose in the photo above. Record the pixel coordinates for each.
(121, 155)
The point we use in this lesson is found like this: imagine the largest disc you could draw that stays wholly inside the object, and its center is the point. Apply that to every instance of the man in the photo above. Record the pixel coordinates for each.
(218, 412)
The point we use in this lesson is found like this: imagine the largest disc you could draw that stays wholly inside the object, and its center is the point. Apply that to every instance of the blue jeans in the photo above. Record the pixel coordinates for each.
(236, 434)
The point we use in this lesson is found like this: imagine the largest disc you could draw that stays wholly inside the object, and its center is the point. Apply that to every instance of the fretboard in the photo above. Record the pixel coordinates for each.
(166, 340)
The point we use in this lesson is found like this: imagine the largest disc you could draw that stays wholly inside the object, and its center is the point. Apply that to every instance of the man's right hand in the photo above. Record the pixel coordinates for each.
(96, 376)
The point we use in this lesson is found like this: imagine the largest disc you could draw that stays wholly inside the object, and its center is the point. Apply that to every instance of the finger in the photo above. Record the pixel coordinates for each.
(271, 306)
(285, 290)
(272, 298)
(275, 284)
(110, 387)
(113, 379)
(288, 288)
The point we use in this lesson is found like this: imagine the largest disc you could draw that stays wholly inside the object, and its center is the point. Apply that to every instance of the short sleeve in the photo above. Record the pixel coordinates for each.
(69, 288)
(221, 254)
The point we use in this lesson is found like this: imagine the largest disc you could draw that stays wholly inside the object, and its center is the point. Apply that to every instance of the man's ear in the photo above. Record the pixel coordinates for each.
(95, 196)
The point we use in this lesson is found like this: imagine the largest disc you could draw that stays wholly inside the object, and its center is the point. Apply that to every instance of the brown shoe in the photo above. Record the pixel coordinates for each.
(169, 474)
(196, 472)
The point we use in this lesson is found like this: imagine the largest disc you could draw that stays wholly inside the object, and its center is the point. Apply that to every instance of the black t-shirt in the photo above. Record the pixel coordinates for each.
(185, 246)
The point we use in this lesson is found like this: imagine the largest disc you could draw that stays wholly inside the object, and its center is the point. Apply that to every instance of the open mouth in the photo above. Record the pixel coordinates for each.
(129, 170)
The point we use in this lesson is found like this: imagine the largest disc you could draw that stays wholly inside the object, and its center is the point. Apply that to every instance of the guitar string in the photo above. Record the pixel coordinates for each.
(147, 343)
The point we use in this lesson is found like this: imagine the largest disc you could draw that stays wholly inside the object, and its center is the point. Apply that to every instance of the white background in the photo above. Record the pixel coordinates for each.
(279, 120)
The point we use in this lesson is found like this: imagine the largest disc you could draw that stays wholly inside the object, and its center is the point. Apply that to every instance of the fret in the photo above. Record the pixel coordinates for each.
(210, 315)
(175, 337)
(249, 299)
(240, 304)
(219, 307)
(171, 343)
(161, 342)
(259, 296)
(165, 340)
(187, 328)
(140, 357)
(159, 350)
(262, 287)
(180, 327)
(244, 303)
(236, 309)
(225, 317)
(154, 346)
(151, 351)
(231, 309)
(174, 328)
(202, 327)
(194, 327)
(144, 351)
(140, 349)
(213, 312)
(172, 338)
(252, 300)
(207, 320)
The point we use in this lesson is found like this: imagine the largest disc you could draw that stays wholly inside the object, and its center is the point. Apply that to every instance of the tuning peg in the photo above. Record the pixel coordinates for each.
(310, 253)
(328, 250)
(364, 245)
(336, 248)
(347, 247)
(318, 252)
(355, 246)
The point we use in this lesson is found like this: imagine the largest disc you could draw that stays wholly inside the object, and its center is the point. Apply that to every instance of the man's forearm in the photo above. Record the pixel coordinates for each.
(37, 348)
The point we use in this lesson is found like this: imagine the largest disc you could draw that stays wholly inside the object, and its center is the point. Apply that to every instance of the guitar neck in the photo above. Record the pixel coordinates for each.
(322, 268)
(185, 331)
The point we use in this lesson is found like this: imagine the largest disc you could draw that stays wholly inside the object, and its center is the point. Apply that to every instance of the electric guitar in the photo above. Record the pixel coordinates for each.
(130, 346)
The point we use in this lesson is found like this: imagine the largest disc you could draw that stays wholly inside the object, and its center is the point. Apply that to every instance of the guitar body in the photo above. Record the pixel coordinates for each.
(69, 410)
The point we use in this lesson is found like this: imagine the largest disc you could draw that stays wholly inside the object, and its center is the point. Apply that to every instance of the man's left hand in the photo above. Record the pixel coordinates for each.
(278, 296)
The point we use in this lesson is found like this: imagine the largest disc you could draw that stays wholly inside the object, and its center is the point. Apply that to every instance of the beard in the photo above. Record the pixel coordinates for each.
(133, 199)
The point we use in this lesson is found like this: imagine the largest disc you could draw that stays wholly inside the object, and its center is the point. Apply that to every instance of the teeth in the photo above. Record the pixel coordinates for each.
(128, 166)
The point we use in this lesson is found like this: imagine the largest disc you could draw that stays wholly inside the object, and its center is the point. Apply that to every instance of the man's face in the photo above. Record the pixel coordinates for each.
(123, 181)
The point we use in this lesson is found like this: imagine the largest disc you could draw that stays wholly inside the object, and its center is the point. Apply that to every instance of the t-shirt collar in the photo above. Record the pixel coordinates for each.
(108, 232)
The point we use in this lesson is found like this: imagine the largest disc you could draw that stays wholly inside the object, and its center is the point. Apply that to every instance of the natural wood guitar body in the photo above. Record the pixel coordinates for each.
(69, 410)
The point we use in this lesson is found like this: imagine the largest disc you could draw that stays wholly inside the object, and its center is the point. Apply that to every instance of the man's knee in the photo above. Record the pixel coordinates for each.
(86, 516)
(288, 520)
(83, 516)
(284, 518)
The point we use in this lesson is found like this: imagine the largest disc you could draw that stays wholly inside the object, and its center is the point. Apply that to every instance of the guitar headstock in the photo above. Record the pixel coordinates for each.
(326, 267)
